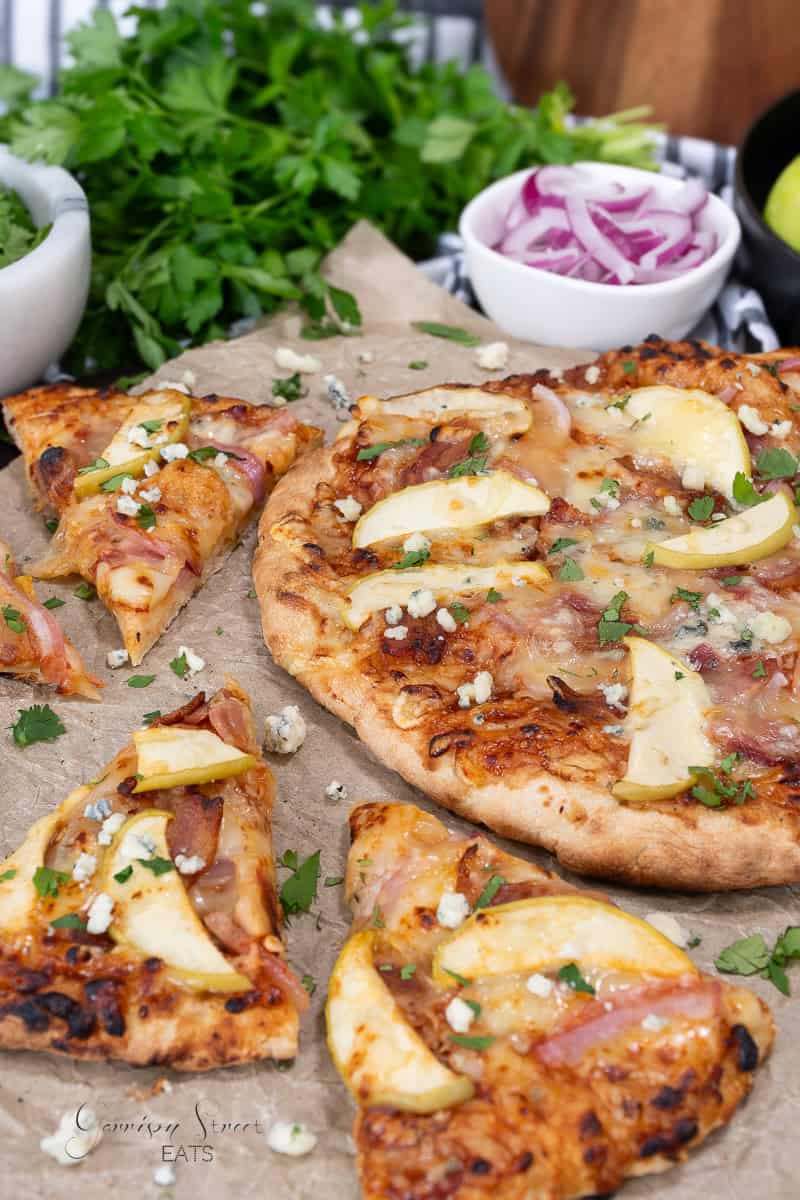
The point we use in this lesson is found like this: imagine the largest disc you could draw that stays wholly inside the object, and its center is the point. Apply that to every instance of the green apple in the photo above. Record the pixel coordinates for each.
(782, 211)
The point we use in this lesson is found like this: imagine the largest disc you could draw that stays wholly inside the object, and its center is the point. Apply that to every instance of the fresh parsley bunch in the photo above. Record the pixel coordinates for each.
(18, 234)
(225, 153)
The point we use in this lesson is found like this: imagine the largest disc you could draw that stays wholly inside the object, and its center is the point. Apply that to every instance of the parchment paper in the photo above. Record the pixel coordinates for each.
(755, 1156)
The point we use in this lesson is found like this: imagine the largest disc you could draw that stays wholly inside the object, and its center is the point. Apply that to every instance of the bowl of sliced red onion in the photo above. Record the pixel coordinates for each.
(597, 255)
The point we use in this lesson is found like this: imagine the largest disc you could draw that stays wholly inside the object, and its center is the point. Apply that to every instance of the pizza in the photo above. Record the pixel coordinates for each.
(139, 921)
(32, 644)
(151, 492)
(504, 1034)
(567, 605)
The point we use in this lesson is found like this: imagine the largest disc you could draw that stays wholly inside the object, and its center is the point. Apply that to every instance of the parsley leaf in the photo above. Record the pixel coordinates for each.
(309, 983)
(37, 724)
(732, 580)
(628, 367)
(98, 465)
(140, 681)
(701, 508)
(13, 619)
(377, 918)
(475, 462)
(68, 921)
(407, 971)
(562, 543)
(715, 789)
(148, 718)
(751, 955)
(610, 485)
(571, 975)
(418, 364)
(300, 890)
(151, 426)
(760, 671)
(460, 612)
(493, 596)
(692, 598)
(452, 333)
(115, 482)
(490, 891)
(84, 591)
(180, 666)
(570, 571)
(54, 602)
(290, 388)
(460, 980)
(47, 881)
(159, 866)
(124, 875)
(744, 493)
(412, 558)
(473, 1043)
(776, 463)
(367, 453)
(9, 874)
(145, 517)
(333, 880)
(610, 627)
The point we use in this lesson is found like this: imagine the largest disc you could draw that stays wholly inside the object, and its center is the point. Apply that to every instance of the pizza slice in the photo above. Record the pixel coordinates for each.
(32, 644)
(152, 491)
(140, 921)
(507, 1035)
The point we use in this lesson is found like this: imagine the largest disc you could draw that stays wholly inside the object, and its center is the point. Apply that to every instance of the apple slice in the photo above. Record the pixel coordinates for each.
(376, 592)
(460, 503)
(744, 538)
(688, 426)
(171, 756)
(378, 1054)
(666, 715)
(547, 932)
(444, 403)
(165, 419)
(153, 914)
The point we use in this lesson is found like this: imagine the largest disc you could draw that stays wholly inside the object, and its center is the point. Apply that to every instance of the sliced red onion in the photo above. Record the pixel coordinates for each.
(789, 364)
(564, 221)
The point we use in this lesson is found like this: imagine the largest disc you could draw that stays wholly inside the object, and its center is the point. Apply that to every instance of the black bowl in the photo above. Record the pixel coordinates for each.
(773, 268)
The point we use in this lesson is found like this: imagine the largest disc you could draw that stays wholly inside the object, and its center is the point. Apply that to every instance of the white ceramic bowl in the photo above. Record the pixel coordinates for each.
(539, 306)
(43, 295)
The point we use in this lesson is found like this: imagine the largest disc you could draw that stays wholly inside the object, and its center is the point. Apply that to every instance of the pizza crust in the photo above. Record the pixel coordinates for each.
(698, 849)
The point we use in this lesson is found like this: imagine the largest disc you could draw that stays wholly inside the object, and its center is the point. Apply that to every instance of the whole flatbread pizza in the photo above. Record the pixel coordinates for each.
(565, 605)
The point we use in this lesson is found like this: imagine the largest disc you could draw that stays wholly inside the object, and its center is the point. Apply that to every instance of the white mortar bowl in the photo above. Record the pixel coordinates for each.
(43, 295)
(540, 306)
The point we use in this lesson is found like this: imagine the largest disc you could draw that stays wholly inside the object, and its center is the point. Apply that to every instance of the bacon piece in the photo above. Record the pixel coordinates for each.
(703, 658)
(780, 573)
(761, 740)
(249, 464)
(285, 979)
(231, 720)
(127, 543)
(692, 998)
(437, 457)
(225, 929)
(563, 513)
(182, 715)
(195, 829)
(45, 632)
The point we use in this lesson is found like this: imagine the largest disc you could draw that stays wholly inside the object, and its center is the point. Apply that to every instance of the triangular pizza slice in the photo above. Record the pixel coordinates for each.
(506, 1034)
(32, 643)
(140, 921)
(152, 492)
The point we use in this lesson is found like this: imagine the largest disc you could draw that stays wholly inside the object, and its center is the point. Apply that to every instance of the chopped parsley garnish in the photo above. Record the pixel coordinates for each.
(476, 1008)
(715, 789)
(145, 517)
(571, 975)
(460, 611)
(204, 453)
(115, 482)
(47, 881)
(84, 591)
(9, 874)
(68, 921)
(776, 463)
(610, 627)
(492, 596)
(751, 956)
(151, 426)
(701, 508)
(251, 595)
(140, 681)
(13, 619)
(562, 544)
(610, 485)
(490, 891)
(300, 890)
(309, 983)
(473, 1043)
(414, 558)
(649, 558)
(367, 453)
(334, 880)
(744, 493)
(98, 465)
(621, 404)
(475, 462)
(418, 364)
(159, 866)
(148, 718)
(694, 942)
(180, 666)
(291, 388)
(377, 919)
(37, 724)
(691, 598)
(732, 580)
(570, 571)
(460, 980)
(51, 524)
(452, 333)
(124, 875)
(679, 675)
(407, 971)
(289, 860)
(760, 671)
(628, 367)
(54, 602)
